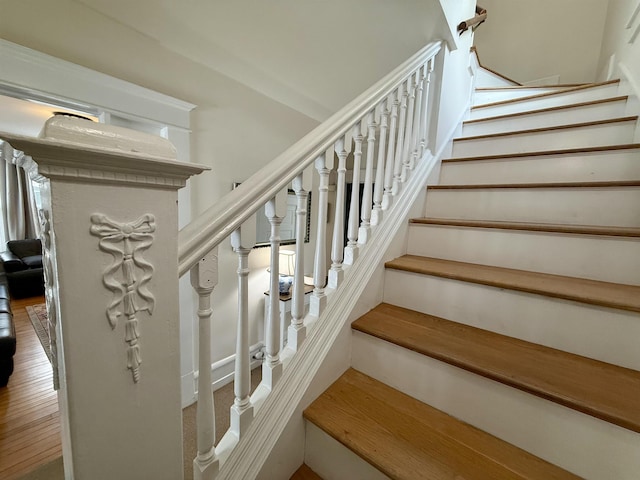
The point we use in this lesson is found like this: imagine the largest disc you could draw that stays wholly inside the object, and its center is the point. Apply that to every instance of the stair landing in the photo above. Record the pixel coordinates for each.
(407, 439)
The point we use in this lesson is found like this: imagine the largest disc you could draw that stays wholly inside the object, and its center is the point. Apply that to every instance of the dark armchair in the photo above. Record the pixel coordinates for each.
(22, 264)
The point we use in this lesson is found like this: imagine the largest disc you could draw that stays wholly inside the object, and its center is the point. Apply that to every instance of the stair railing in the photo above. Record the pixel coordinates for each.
(385, 132)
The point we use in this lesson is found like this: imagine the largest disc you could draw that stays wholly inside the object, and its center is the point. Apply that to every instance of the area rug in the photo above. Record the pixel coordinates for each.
(40, 321)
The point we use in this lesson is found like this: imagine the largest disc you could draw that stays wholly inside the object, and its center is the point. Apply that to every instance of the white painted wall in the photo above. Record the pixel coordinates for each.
(618, 32)
(250, 85)
(527, 40)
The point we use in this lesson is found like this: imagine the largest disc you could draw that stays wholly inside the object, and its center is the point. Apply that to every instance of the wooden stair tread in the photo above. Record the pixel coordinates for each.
(547, 110)
(530, 131)
(612, 295)
(407, 439)
(529, 87)
(534, 227)
(546, 94)
(603, 184)
(603, 390)
(566, 151)
(305, 473)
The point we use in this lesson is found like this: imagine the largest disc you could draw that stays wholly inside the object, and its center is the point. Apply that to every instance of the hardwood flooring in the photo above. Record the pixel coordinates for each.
(29, 425)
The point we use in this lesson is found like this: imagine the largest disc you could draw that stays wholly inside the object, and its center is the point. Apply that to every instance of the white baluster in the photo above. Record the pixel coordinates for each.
(297, 329)
(376, 214)
(319, 298)
(242, 409)
(367, 196)
(272, 366)
(336, 273)
(402, 117)
(204, 278)
(424, 141)
(351, 250)
(387, 196)
(407, 150)
(417, 117)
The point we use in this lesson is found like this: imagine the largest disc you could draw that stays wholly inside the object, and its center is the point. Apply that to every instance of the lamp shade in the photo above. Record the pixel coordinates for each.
(287, 262)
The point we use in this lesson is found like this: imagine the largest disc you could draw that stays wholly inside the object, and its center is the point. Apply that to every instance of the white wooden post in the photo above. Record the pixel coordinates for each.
(242, 240)
(387, 196)
(319, 298)
(376, 214)
(367, 194)
(336, 273)
(402, 117)
(272, 365)
(407, 149)
(110, 195)
(351, 250)
(297, 330)
(204, 278)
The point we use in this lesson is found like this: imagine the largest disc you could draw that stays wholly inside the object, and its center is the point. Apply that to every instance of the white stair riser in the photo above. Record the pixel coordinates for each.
(599, 111)
(582, 167)
(484, 78)
(333, 461)
(589, 447)
(597, 257)
(591, 136)
(612, 206)
(585, 95)
(497, 95)
(606, 334)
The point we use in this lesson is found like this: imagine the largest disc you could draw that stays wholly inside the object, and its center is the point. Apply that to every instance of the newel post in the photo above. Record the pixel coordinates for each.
(109, 201)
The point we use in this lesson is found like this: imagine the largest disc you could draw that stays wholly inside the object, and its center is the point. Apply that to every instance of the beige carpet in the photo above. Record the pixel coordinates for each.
(223, 399)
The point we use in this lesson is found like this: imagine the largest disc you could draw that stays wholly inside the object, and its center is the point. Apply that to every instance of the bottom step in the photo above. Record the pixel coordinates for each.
(407, 439)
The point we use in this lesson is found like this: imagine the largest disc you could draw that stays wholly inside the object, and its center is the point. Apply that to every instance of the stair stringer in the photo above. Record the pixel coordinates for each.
(274, 443)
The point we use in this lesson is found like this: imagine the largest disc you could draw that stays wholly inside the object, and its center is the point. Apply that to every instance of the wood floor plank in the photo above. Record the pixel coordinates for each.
(30, 428)
(406, 439)
(305, 473)
(605, 391)
(612, 295)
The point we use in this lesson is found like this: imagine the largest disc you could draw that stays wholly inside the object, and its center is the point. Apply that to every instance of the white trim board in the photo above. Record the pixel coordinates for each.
(43, 77)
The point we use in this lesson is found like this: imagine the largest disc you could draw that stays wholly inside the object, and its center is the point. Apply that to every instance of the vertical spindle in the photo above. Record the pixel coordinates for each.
(402, 117)
(204, 278)
(424, 141)
(367, 195)
(336, 273)
(387, 196)
(351, 250)
(417, 117)
(319, 297)
(297, 329)
(407, 150)
(272, 366)
(376, 214)
(242, 409)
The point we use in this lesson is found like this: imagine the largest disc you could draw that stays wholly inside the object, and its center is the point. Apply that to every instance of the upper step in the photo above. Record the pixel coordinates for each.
(407, 439)
(484, 95)
(596, 164)
(599, 389)
(566, 96)
(585, 134)
(613, 107)
(606, 294)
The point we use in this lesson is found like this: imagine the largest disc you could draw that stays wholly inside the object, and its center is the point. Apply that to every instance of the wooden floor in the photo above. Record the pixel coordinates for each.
(29, 425)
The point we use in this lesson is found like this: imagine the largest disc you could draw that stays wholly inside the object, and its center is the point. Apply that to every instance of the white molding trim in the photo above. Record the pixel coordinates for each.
(633, 16)
(248, 457)
(35, 74)
(628, 78)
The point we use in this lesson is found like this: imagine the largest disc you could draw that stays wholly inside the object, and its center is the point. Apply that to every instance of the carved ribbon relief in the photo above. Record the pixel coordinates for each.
(127, 277)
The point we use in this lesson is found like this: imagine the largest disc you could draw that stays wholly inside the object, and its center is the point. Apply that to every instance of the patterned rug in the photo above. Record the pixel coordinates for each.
(40, 321)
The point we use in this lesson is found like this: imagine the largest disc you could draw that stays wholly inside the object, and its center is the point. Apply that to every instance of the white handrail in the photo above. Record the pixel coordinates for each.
(218, 222)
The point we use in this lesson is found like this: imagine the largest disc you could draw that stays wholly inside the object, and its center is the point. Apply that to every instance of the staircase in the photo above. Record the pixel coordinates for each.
(507, 345)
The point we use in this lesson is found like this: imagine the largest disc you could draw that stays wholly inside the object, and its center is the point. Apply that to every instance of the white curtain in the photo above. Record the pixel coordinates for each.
(17, 202)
